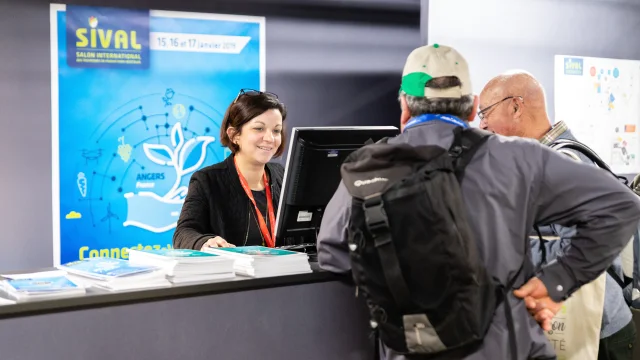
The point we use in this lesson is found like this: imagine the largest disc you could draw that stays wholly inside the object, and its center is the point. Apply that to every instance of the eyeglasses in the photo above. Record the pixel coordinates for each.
(482, 113)
(252, 92)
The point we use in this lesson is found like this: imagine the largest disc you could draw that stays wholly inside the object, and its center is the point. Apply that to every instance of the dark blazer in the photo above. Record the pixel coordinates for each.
(216, 205)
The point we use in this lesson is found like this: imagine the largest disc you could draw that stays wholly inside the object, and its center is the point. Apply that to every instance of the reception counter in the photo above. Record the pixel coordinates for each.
(307, 316)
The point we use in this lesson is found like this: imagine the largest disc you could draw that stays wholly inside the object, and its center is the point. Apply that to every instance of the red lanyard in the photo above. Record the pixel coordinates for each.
(268, 238)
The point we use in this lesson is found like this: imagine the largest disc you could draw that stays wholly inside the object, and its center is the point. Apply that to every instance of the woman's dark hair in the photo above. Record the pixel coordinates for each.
(246, 107)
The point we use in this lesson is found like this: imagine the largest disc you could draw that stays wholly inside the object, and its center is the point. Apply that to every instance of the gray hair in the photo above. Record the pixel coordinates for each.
(462, 107)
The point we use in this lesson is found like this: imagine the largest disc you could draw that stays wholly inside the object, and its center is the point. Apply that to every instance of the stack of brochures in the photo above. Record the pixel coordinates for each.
(186, 266)
(41, 288)
(260, 261)
(115, 274)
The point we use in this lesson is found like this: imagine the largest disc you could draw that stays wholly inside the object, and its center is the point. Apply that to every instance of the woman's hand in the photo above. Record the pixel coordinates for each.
(216, 242)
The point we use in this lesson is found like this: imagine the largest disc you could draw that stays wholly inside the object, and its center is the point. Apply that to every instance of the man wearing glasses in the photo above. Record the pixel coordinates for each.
(513, 104)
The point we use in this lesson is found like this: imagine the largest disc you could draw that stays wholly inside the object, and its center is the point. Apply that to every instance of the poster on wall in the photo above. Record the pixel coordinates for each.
(599, 99)
(137, 102)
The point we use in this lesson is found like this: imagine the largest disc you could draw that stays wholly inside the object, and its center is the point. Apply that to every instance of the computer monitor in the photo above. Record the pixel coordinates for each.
(312, 175)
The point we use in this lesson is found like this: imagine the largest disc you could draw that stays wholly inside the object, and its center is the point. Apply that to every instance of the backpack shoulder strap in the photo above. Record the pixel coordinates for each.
(560, 144)
(623, 283)
(465, 144)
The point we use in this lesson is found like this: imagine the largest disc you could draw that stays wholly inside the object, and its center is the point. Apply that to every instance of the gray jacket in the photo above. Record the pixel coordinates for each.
(616, 314)
(509, 185)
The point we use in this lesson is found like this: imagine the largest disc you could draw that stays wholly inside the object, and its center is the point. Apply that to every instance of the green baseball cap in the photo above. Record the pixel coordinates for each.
(434, 61)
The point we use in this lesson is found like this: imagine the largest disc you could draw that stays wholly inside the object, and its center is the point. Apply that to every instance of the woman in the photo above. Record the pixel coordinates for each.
(234, 202)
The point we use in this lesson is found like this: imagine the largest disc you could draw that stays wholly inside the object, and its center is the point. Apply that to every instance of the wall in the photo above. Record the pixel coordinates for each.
(497, 35)
(332, 63)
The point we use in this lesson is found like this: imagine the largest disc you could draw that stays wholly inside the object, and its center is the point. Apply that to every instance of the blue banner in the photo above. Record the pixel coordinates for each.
(126, 139)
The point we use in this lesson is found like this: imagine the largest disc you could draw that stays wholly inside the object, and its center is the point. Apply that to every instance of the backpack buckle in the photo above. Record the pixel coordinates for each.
(455, 151)
(374, 214)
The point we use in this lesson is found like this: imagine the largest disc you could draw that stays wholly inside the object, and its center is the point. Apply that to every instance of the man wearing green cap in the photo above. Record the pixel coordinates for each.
(509, 184)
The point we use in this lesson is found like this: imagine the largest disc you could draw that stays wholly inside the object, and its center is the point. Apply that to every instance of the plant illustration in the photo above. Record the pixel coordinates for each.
(184, 156)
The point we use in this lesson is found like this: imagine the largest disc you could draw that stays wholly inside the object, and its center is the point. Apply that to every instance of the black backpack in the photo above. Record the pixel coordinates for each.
(413, 256)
